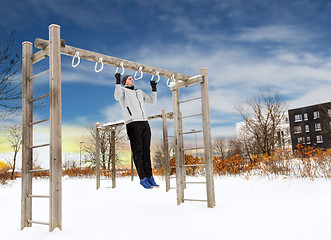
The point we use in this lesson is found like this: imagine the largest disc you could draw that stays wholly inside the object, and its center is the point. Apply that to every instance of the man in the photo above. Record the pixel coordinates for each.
(137, 127)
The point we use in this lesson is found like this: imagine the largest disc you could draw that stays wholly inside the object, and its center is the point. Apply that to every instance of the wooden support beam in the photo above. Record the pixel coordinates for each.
(97, 153)
(166, 149)
(40, 55)
(207, 138)
(55, 218)
(27, 135)
(113, 166)
(109, 60)
(189, 82)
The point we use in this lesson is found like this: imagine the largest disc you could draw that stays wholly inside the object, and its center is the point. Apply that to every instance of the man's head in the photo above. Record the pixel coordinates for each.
(127, 80)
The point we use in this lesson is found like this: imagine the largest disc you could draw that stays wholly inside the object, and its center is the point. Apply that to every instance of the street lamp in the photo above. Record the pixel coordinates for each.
(80, 154)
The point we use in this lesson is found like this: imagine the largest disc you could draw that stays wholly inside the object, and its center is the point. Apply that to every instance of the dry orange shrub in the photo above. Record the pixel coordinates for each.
(79, 172)
(5, 175)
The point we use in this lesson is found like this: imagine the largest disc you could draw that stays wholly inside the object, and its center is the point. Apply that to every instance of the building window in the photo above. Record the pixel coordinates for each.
(298, 118)
(308, 140)
(301, 140)
(319, 139)
(297, 129)
(318, 127)
(329, 112)
(305, 116)
(316, 114)
(307, 128)
(330, 124)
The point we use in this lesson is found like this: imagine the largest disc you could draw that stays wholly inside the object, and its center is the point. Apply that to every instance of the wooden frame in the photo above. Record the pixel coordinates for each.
(112, 127)
(53, 48)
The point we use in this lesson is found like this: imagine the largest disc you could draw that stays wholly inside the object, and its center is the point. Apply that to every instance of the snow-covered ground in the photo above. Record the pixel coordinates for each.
(257, 208)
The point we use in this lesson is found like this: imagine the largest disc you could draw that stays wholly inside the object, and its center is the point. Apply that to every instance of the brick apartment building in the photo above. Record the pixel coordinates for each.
(311, 125)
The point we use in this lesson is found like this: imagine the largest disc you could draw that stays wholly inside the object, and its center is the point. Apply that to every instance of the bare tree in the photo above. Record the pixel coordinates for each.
(220, 146)
(262, 121)
(158, 158)
(105, 146)
(10, 64)
(15, 139)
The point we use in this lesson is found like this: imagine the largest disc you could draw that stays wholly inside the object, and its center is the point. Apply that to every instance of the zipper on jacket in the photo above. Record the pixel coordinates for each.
(129, 111)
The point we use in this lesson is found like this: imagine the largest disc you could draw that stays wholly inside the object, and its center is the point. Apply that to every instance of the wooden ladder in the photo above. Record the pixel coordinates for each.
(55, 170)
(179, 142)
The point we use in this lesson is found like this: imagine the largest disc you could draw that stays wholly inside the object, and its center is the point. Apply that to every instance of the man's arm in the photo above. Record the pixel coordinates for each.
(151, 99)
(118, 94)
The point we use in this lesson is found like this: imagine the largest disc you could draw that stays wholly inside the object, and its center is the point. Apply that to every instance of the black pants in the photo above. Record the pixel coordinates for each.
(140, 140)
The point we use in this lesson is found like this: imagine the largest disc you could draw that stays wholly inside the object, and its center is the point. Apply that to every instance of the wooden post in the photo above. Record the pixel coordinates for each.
(97, 153)
(178, 147)
(207, 138)
(27, 135)
(55, 218)
(113, 156)
(166, 149)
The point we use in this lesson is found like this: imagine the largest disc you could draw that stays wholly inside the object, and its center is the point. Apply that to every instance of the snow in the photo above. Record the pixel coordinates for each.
(256, 208)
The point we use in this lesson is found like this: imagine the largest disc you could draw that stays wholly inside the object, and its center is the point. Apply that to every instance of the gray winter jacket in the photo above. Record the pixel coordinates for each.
(132, 103)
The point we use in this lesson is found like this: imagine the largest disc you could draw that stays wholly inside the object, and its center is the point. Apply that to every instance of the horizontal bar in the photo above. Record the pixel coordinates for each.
(35, 99)
(38, 170)
(93, 56)
(188, 100)
(172, 167)
(38, 222)
(173, 188)
(195, 200)
(192, 132)
(38, 146)
(38, 196)
(192, 148)
(119, 123)
(172, 177)
(41, 121)
(105, 170)
(196, 182)
(40, 55)
(38, 75)
(194, 115)
(189, 82)
(105, 178)
(194, 165)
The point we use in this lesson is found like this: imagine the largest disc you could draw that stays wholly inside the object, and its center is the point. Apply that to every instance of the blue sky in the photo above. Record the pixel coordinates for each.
(247, 46)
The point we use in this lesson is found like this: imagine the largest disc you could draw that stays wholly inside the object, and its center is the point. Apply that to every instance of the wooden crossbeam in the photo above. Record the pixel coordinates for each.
(109, 60)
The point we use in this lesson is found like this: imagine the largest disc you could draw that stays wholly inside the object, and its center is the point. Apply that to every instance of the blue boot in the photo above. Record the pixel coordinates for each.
(145, 183)
(152, 182)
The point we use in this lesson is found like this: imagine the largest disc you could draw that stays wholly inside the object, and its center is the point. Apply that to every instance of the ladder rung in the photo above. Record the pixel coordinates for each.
(39, 74)
(173, 188)
(170, 136)
(38, 146)
(38, 222)
(196, 182)
(192, 148)
(38, 170)
(105, 178)
(188, 100)
(35, 99)
(196, 200)
(172, 177)
(198, 131)
(194, 115)
(194, 165)
(105, 170)
(41, 121)
(172, 167)
(38, 196)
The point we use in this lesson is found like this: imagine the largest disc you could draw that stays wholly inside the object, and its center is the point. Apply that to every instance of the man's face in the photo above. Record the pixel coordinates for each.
(129, 81)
